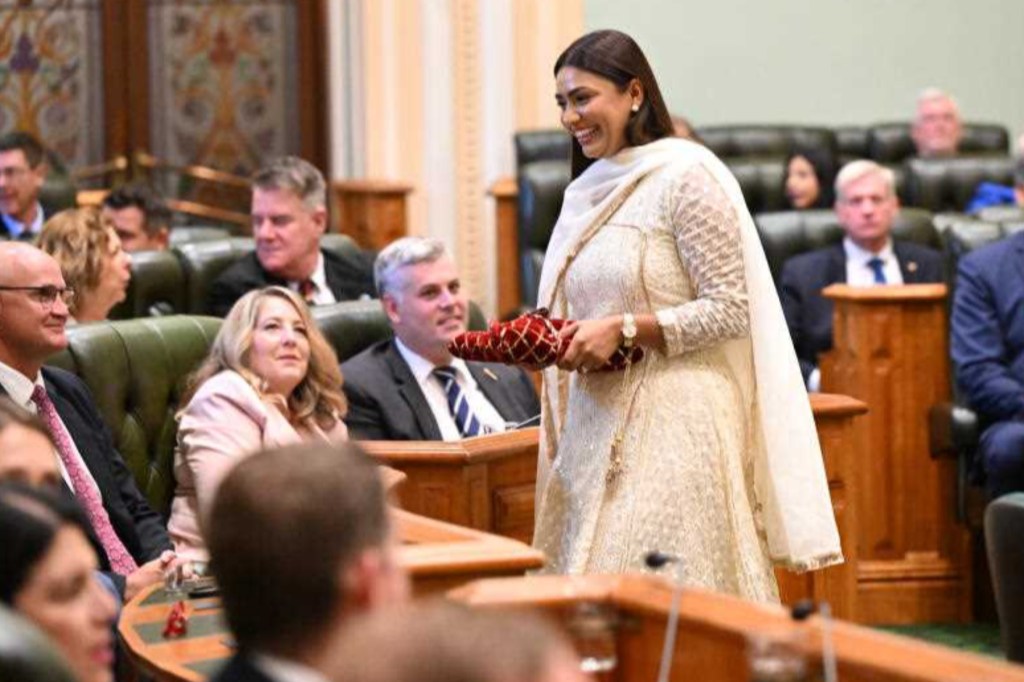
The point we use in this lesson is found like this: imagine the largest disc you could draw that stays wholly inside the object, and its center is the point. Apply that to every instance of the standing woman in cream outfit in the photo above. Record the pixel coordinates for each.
(271, 379)
(706, 448)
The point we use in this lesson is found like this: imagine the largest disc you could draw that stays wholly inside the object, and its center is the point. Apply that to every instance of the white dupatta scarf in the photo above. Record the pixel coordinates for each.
(789, 473)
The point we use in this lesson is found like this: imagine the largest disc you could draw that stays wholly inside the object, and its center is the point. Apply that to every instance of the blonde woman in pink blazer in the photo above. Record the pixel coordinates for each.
(271, 379)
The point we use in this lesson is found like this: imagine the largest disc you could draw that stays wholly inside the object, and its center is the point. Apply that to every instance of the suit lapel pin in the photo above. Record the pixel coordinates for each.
(490, 375)
(911, 266)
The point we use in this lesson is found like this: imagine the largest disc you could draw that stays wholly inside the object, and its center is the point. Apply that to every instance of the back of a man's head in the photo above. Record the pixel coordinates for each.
(287, 531)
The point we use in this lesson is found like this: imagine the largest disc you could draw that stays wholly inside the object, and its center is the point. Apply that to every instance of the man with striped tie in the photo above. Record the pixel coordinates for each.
(866, 205)
(410, 387)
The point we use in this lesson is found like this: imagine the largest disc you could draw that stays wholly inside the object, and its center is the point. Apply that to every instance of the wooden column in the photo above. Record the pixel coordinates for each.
(372, 212)
(506, 195)
(891, 351)
(839, 430)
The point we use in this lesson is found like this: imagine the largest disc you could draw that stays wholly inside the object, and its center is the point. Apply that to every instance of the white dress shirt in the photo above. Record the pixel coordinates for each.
(323, 293)
(17, 229)
(19, 389)
(860, 274)
(490, 419)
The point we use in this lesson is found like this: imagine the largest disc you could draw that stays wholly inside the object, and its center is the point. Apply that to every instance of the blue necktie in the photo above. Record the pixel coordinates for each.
(465, 420)
(876, 264)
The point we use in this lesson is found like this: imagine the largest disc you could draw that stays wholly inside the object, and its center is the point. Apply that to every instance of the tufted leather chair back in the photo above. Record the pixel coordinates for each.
(552, 144)
(891, 142)
(764, 140)
(852, 143)
(1004, 526)
(136, 370)
(26, 654)
(949, 184)
(965, 234)
(762, 182)
(787, 233)
(157, 287)
(541, 188)
(186, 234)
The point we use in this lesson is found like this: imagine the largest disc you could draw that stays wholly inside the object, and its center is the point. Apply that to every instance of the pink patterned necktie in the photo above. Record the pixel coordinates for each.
(120, 560)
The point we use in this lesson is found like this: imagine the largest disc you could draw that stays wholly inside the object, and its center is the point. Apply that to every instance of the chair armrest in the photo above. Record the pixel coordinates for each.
(952, 430)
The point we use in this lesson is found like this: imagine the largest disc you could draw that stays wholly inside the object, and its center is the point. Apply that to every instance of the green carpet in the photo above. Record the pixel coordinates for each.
(978, 638)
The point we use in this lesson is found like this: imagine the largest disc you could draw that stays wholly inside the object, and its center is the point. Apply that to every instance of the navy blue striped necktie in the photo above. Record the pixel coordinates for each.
(465, 420)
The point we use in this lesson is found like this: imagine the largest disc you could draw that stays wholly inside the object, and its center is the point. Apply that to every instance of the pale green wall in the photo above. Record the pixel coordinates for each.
(827, 61)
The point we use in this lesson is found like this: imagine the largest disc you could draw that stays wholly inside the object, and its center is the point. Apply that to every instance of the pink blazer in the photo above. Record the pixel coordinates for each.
(225, 421)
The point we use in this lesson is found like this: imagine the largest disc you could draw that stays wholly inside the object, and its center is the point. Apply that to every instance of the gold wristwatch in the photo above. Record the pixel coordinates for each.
(628, 331)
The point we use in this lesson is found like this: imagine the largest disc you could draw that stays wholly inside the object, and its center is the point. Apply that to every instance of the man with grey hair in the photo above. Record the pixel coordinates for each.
(289, 215)
(937, 127)
(410, 387)
(866, 205)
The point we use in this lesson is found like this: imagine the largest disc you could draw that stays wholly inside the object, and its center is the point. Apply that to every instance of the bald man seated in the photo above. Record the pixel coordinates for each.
(130, 537)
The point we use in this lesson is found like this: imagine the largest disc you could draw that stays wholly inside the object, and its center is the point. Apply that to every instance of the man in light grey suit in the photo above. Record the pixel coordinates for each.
(410, 387)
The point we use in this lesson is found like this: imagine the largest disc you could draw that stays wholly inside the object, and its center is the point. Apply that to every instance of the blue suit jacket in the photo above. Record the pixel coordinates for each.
(809, 314)
(988, 329)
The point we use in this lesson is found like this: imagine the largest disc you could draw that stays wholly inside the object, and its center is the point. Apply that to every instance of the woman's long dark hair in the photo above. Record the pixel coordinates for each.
(617, 57)
(823, 162)
(29, 522)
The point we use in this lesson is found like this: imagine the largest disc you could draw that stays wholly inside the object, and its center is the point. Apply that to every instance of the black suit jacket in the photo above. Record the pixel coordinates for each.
(348, 276)
(809, 314)
(385, 401)
(139, 527)
(240, 669)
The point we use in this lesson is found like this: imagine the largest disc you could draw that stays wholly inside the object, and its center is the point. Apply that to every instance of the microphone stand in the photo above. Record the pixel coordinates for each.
(657, 560)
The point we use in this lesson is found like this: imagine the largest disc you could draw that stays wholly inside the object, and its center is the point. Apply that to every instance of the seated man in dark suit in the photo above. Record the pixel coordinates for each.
(289, 214)
(130, 537)
(410, 387)
(289, 601)
(22, 172)
(866, 206)
(988, 355)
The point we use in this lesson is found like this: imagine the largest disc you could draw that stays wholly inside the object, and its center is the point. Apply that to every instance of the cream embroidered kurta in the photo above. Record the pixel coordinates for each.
(688, 423)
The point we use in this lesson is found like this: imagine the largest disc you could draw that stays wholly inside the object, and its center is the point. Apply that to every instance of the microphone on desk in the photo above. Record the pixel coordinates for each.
(802, 610)
(656, 560)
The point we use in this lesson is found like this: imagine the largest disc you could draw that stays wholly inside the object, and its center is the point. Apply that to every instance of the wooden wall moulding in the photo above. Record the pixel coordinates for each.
(486, 483)
(891, 351)
(506, 196)
(714, 630)
(372, 212)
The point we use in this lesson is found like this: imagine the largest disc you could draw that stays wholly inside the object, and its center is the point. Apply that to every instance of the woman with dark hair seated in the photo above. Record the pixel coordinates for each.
(48, 574)
(810, 174)
(95, 266)
(270, 379)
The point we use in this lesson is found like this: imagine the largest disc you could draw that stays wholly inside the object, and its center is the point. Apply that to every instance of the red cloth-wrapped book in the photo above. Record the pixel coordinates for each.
(529, 341)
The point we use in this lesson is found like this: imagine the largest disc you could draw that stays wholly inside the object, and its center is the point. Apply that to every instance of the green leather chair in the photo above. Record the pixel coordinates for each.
(136, 370)
(188, 234)
(203, 262)
(157, 287)
(26, 654)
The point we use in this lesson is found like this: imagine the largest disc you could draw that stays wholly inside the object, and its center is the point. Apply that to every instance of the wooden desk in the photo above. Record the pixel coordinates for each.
(891, 350)
(714, 628)
(485, 483)
(372, 212)
(438, 556)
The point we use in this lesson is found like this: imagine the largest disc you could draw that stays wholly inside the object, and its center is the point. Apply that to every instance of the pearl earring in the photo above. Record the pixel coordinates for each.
(636, 107)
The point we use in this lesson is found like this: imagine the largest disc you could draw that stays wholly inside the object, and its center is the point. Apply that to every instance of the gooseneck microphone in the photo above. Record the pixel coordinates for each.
(655, 561)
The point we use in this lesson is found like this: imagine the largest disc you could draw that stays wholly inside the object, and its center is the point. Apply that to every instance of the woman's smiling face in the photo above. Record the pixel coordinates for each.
(595, 110)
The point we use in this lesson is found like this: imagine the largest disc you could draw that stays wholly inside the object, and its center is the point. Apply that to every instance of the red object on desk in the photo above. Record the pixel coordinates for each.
(177, 621)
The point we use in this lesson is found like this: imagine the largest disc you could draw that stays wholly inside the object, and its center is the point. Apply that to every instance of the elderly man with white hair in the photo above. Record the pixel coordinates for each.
(866, 205)
(937, 126)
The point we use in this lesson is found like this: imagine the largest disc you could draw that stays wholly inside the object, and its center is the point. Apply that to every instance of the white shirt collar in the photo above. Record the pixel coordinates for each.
(284, 670)
(422, 368)
(859, 254)
(17, 229)
(18, 386)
